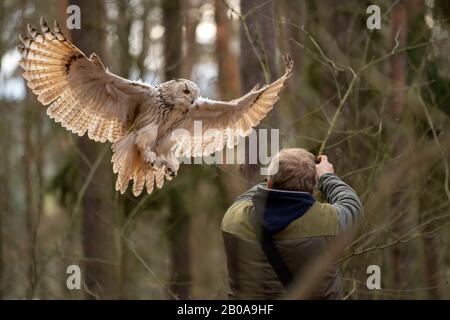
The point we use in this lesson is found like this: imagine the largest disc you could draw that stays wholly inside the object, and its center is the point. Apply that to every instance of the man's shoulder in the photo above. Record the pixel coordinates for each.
(237, 220)
(320, 220)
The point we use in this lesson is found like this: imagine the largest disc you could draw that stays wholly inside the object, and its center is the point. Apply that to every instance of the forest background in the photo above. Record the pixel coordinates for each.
(377, 102)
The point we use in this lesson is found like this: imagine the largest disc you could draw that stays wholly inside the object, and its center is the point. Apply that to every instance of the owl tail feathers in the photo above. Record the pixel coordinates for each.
(129, 165)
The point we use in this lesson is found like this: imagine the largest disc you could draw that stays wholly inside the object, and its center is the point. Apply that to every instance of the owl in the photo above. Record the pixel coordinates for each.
(150, 126)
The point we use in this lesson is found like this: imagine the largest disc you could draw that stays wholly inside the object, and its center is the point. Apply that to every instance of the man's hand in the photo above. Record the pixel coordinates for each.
(323, 166)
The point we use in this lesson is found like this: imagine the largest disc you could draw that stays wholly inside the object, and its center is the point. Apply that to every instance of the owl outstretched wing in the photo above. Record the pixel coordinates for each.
(222, 123)
(83, 95)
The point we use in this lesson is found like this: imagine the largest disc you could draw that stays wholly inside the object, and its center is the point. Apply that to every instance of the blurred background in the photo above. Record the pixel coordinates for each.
(377, 102)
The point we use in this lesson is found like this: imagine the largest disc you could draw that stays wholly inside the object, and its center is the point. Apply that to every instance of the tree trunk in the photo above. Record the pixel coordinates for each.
(144, 40)
(228, 73)
(123, 32)
(191, 20)
(173, 37)
(258, 60)
(5, 199)
(32, 177)
(30, 212)
(125, 203)
(399, 27)
(228, 88)
(98, 221)
(179, 220)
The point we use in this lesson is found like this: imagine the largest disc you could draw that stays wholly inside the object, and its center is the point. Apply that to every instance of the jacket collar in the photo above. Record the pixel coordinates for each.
(276, 209)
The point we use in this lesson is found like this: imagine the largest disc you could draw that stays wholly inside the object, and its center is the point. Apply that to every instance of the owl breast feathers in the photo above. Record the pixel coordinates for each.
(149, 125)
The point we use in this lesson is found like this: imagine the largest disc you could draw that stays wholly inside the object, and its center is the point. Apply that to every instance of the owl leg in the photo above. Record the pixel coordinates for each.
(145, 142)
(166, 160)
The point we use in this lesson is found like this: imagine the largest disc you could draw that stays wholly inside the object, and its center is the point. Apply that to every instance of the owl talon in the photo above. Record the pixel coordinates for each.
(170, 172)
(150, 158)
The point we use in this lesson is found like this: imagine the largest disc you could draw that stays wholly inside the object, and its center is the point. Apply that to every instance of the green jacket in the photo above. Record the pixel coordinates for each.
(303, 239)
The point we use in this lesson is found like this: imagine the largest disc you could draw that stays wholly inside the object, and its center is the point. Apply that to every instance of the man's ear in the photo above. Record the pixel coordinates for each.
(269, 184)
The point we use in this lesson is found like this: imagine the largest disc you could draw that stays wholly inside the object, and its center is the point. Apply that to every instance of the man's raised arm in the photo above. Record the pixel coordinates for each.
(339, 194)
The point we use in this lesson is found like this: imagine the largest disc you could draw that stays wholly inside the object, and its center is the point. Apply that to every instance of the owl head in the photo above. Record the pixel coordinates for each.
(179, 93)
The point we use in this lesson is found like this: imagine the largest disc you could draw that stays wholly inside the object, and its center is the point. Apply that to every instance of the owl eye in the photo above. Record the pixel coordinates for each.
(186, 91)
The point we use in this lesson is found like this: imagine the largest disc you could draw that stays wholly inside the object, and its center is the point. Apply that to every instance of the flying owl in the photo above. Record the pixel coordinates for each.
(140, 120)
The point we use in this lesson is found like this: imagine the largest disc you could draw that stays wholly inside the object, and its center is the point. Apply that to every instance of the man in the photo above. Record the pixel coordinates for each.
(276, 230)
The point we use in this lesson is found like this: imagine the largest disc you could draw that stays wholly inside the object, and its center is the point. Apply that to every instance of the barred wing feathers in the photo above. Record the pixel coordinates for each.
(83, 95)
(222, 123)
